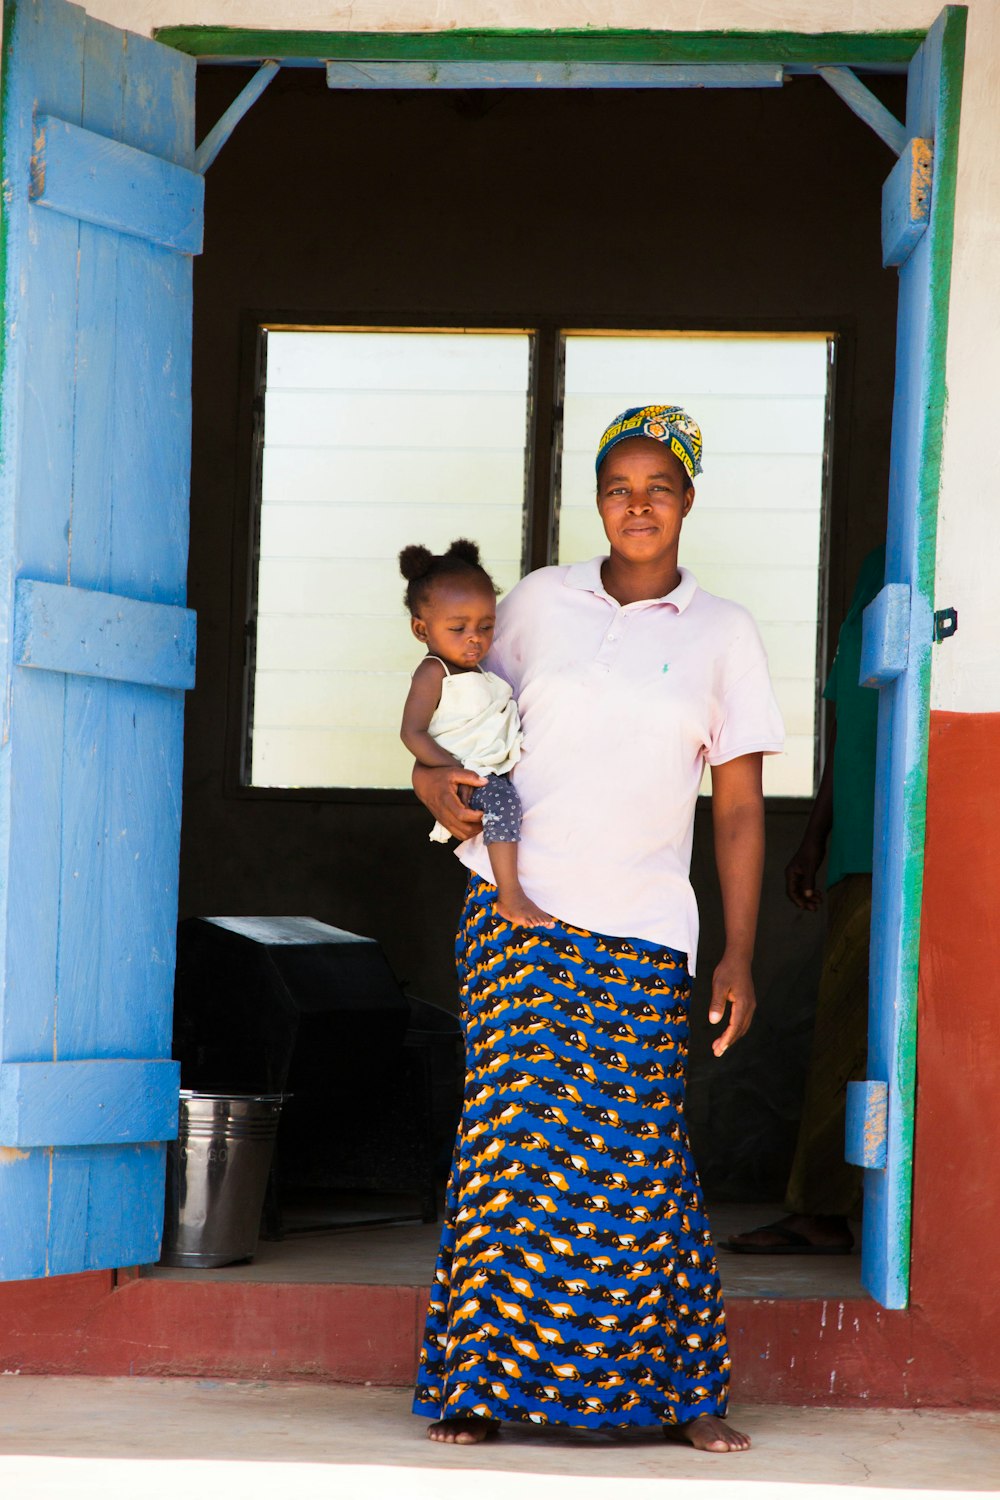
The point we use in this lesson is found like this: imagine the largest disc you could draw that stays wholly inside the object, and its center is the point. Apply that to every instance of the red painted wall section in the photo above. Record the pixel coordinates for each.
(956, 1228)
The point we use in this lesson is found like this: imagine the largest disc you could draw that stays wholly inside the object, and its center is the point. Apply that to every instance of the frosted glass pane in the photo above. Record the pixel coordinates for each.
(755, 531)
(371, 441)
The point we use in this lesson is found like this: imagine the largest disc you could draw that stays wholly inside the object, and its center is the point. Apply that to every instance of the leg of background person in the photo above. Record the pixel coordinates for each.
(821, 1181)
(824, 1191)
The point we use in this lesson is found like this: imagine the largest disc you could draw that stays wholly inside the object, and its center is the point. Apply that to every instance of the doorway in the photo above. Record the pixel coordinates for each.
(440, 242)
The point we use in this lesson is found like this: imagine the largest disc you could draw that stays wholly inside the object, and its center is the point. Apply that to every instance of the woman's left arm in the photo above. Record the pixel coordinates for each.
(738, 823)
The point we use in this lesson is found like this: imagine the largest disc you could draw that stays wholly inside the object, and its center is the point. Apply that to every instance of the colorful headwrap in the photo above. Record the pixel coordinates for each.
(667, 424)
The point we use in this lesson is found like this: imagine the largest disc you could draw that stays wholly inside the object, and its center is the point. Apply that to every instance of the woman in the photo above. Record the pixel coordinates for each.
(576, 1282)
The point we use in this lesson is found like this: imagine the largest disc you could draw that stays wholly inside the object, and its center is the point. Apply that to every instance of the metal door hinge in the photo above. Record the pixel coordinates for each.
(945, 623)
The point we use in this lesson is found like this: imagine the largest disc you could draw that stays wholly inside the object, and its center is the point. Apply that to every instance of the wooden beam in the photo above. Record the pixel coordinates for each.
(99, 1102)
(906, 201)
(866, 105)
(89, 634)
(105, 182)
(223, 129)
(551, 75)
(882, 50)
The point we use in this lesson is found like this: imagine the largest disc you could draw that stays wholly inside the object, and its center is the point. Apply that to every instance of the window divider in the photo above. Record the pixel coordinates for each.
(543, 435)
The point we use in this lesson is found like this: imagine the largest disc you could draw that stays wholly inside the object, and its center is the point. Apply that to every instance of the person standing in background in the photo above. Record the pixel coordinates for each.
(824, 1191)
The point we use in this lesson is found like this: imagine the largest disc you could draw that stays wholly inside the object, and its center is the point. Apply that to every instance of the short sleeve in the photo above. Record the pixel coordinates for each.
(749, 720)
(505, 655)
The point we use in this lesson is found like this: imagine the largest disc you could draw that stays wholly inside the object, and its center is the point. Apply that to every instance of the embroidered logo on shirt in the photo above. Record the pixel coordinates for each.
(666, 666)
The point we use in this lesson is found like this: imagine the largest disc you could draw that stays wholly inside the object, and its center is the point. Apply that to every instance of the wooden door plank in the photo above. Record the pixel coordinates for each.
(84, 824)
(44, 469)
(126, 1193)
(24, 1197)
(144, 733)
(69, 1213)
(40, 67)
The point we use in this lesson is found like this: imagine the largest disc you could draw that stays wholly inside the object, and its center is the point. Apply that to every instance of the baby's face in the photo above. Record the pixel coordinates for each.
(457, 622)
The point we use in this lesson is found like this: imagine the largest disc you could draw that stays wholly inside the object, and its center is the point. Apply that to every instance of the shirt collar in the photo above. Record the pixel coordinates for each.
(587, 576)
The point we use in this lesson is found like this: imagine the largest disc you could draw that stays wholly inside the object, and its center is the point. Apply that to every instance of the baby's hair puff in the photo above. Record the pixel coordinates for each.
(422, 569)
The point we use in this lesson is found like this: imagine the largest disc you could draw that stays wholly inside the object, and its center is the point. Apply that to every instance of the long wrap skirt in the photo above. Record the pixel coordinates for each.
(576, 1282)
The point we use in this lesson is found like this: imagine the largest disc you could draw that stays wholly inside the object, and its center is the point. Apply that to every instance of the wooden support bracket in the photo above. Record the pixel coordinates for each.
(867, 1124)
(105, 182)
(906, 201)
(866, 105)
(90, 634)
(223, 129)
(885, 636)
(97, 1102)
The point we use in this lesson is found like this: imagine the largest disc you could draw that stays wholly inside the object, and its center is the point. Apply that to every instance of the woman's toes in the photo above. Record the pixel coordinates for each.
(710, 1435)
(462, 1430)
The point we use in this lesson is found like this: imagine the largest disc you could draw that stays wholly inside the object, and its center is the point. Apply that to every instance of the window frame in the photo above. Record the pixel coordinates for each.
(541, 508)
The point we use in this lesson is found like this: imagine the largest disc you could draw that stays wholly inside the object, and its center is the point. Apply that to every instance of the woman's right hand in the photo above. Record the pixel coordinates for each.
(443, 790)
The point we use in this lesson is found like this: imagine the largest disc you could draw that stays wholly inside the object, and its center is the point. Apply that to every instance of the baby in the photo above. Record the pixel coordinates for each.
(458, 715)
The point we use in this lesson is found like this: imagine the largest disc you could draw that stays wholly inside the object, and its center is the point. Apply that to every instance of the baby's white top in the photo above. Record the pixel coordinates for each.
(477, 721)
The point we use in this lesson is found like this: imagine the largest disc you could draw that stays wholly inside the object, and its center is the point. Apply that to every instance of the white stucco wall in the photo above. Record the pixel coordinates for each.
(966, 668)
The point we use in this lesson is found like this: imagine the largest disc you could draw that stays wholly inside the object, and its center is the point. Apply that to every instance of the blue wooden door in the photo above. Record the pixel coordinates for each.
(102, 214)
(899, 631)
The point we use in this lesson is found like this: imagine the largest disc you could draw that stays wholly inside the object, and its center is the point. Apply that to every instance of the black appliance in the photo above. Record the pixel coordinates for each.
(293, 1005)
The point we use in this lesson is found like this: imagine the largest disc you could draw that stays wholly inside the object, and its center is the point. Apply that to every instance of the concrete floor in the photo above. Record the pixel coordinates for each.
(80, 1439)
(403, 1255)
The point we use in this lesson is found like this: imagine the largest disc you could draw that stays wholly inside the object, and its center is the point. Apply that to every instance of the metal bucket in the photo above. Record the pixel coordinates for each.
(217, 1172)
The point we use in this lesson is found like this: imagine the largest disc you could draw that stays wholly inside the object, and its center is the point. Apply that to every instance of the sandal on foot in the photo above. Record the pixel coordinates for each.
(787, 1242)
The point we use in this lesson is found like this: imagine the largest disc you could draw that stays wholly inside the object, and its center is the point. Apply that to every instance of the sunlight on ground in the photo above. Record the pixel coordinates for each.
(38, 1478)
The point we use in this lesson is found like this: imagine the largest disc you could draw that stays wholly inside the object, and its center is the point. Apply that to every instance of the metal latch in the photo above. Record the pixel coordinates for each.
(945, 623)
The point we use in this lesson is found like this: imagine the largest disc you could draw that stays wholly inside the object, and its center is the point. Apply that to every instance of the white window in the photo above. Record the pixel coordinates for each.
(372, 440)
(376, 438)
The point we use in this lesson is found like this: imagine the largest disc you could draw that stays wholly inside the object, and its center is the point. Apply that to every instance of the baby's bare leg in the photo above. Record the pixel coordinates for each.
(501, 809)
(512, 903)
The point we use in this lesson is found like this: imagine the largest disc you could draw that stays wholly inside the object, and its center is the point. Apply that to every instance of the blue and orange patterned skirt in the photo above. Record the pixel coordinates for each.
(576, 1282)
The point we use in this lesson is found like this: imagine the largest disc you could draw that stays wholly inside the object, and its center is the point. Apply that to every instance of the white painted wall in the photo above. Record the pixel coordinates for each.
(966, 668)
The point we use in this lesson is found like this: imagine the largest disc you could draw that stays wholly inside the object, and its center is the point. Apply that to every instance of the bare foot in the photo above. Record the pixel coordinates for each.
(521, 911)
(796, 1234)
(709, 1435)
(463, 1430)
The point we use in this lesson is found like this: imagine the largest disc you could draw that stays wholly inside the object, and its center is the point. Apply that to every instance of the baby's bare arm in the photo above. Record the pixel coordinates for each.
(418, 710)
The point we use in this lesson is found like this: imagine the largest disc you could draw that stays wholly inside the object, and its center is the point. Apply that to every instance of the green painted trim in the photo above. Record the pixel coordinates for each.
(942, 245)
(844, 48)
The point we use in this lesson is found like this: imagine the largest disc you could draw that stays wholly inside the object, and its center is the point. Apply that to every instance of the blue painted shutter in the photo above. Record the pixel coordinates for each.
(896, 659)
(102, 215)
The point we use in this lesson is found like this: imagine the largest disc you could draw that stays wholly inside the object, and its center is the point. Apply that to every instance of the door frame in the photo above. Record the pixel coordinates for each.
(900, 820)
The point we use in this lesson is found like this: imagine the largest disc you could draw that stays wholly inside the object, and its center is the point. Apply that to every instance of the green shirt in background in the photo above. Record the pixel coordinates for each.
(853, 831)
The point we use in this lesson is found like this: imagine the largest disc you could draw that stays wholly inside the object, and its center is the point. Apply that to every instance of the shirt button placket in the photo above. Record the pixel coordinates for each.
(609, 646)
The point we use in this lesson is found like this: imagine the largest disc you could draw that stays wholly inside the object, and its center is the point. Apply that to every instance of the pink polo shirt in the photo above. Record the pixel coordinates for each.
(621, 708)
